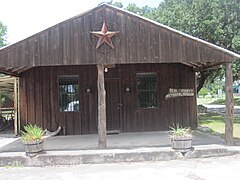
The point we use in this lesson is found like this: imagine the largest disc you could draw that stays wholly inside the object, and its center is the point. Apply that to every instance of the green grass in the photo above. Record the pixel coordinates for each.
(14, 165)
(217, 101)
(205, 100)
(216, 123)
(222, 101)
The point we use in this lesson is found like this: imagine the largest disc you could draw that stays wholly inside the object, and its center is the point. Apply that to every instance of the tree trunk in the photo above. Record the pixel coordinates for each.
(201, 80)
(102, 139)
(229, 105)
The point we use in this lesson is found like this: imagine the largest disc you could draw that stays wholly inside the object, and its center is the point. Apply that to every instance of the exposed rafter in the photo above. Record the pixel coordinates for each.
(8, 72)
(207, 66)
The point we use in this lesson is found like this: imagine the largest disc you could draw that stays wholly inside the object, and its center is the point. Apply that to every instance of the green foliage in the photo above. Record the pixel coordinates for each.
(2, 100)
(32, 133)
(203, 92)
(212, 86)
(3, 33)
(180, 132)
(216, 122)
(222, 101)
(145, 11)
(216, 21)
(14, 165)
(117, 4)
(2, 97)
(134, 8)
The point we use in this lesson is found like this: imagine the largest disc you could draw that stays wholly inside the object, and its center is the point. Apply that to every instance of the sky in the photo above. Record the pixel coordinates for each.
(24, 18)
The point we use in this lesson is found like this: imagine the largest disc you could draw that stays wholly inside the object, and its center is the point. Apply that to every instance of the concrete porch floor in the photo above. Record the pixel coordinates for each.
(114, 141)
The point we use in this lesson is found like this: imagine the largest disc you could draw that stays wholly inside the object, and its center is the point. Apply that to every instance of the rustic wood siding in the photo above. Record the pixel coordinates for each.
(180, 110)
(140, 41)
(39, 98)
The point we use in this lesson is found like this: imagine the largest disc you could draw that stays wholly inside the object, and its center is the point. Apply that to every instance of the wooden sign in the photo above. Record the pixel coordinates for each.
(173, 93)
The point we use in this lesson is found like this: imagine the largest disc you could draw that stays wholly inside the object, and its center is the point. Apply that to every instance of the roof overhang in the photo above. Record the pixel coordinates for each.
(18, 57)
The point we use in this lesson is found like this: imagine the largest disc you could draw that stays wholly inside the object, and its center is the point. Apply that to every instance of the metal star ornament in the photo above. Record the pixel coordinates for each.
(104, 36)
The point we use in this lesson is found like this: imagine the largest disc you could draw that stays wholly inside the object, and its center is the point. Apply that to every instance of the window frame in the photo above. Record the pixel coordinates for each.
(137, 91)
(79, 92)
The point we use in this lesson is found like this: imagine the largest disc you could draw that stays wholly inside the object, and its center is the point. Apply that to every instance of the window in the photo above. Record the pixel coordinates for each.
(147, 90)
(68, 93)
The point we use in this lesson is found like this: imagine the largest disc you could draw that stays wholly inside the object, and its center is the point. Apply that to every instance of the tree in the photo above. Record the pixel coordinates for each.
(216, 21)
(117, 4)
(3, 33)
(3, 42)
(145, 11)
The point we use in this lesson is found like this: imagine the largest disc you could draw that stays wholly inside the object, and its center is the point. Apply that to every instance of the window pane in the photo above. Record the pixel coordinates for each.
(147, 90)
(68, 88)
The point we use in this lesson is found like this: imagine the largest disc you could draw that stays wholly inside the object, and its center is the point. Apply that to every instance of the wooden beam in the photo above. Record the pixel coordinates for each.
(0, 104)
(4, 71)
(102, 139)
(229, 105)
(20, 70)
(205, 67)
(18, 108)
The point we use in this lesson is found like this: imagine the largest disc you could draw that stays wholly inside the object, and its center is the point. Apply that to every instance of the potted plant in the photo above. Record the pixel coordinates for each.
(181, 138)
(32, 138)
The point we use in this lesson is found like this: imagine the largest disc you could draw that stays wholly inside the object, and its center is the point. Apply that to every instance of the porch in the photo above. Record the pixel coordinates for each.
(115, 141)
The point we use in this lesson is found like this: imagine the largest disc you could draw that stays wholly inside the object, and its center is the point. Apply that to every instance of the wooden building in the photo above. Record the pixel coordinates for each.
(147, 69)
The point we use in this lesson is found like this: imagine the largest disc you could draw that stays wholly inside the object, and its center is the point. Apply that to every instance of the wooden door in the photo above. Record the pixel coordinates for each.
(112, 104)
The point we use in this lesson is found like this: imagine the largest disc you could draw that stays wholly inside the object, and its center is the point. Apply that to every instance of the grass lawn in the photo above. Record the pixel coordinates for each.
(217, 101)
(217, 124)
(222, 101)
(205, 100)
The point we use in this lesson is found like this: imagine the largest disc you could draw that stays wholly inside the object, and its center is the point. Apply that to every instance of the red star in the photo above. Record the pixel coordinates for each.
(104, 36)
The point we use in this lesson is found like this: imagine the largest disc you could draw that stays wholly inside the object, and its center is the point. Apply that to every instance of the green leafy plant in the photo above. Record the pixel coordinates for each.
(180, 132)
(32, 133)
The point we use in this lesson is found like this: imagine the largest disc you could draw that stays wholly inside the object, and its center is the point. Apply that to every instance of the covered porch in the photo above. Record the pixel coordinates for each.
(131, 140)
(137, 41)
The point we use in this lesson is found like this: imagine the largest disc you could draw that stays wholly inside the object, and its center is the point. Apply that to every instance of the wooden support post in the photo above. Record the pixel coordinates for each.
(102, 139)
(16, 129)
(0, 104)
(18, 107)
(229, 105)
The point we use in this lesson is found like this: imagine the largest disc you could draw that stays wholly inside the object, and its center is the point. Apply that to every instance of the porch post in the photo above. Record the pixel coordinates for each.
(102, 139)
(229, 105)
(16, 130)
(0, 104)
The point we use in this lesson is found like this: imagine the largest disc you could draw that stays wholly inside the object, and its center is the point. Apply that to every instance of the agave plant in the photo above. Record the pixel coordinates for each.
(32, 133)
(180, 132)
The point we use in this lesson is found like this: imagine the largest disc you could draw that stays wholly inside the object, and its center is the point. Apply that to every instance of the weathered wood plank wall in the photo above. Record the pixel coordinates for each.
(139, 41)
(39, 98)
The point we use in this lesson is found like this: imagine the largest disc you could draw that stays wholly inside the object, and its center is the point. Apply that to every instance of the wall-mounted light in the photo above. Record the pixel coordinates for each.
(105, 69)
(127, 89)
(88, 90)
